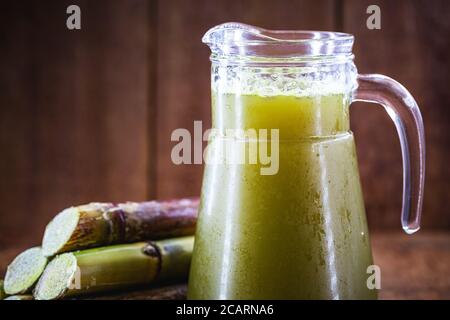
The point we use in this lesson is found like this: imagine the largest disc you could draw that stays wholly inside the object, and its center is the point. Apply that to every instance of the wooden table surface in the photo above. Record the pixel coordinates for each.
(412, 267)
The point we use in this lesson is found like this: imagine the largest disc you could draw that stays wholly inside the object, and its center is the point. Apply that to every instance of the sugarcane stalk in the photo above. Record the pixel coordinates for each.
(2, 290)
(115, 267)
(20, 297)
(102, 224)
(23, 272)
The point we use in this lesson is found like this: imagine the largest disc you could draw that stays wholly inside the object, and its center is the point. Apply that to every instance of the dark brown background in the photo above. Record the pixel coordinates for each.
(87, 115)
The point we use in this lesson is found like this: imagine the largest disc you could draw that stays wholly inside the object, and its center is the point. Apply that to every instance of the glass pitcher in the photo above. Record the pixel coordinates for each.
(295, 229)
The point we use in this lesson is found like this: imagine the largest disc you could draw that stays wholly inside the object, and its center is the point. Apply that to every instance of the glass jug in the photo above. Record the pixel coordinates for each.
(298, 230)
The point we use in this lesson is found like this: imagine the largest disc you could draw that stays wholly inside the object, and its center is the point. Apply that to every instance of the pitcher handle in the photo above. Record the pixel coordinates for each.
(403, 110)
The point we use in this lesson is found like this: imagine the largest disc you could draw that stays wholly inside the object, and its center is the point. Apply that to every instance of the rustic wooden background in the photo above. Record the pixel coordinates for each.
(87, 115)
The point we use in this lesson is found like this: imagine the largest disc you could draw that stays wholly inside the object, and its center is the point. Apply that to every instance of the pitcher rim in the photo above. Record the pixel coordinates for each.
(239, 39)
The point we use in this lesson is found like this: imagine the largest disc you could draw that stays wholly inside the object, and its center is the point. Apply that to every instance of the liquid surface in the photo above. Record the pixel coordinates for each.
(298, 234)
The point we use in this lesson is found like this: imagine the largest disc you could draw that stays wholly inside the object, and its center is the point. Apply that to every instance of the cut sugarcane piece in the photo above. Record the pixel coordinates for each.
(20, 297)
(83, 225)
(101, 224)
(24, 271)
(115, 267)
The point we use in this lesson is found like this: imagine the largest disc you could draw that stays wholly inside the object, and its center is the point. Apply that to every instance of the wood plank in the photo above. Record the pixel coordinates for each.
(412, 47)
(172, 292)
(184, 68)
(78, 120)
(74, 109)
(413, 267)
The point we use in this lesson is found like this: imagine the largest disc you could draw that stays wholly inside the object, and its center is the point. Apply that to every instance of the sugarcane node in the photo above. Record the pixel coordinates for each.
(117, 222)
(175, 257)
(152, 251)
(24, 271)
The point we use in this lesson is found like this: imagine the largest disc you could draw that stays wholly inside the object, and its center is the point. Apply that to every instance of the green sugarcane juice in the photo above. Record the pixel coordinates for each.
(298, 234)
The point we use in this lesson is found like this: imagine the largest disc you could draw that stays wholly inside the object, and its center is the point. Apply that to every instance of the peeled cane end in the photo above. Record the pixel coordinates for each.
(24, 271)
(57, 277)
(20, 297)
(59, 231)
